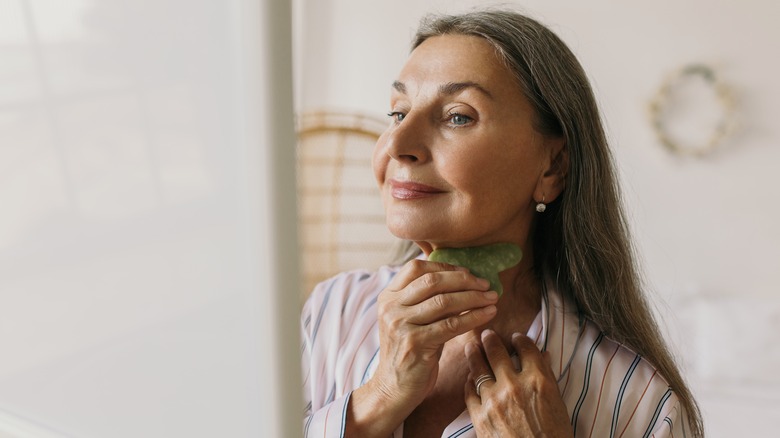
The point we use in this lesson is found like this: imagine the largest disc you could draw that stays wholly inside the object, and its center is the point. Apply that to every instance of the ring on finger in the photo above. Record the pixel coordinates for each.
(482, 379)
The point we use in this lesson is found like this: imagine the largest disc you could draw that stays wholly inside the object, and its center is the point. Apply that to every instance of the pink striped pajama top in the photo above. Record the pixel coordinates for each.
(608, 389)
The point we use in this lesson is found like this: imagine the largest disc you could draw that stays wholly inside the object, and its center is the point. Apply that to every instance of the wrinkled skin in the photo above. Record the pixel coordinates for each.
(423, 307)
(519, 403)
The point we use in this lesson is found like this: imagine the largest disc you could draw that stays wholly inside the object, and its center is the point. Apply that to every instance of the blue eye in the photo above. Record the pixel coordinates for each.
(397, 116)
(459, 119)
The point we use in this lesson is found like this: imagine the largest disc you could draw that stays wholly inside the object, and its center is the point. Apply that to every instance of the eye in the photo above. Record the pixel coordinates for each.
(397, 116)
(459, 119)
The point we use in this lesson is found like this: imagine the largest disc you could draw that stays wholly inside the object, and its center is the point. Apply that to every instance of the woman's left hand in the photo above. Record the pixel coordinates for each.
(518, 403)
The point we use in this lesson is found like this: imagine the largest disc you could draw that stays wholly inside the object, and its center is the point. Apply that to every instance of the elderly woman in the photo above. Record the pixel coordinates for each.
(495, 137)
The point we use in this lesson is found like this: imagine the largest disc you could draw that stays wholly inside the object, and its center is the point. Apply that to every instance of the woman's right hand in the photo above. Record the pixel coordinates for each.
(423, 307)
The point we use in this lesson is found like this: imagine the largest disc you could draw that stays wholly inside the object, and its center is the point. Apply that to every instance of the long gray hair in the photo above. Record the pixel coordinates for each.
(581, 242)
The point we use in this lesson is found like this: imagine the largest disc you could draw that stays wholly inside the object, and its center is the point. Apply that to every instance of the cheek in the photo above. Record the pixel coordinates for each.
(477, 173)
(492, 181)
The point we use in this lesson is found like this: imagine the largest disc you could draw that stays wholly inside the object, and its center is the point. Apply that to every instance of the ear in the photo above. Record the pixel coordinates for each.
(552, 180)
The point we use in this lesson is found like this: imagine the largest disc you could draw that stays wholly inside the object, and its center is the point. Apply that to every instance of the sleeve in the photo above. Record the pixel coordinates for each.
(340, 345)
(324, 415)
(329, 322)
(328, 421)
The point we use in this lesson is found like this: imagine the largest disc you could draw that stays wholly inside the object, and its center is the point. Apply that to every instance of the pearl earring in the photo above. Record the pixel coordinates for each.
(541, 207)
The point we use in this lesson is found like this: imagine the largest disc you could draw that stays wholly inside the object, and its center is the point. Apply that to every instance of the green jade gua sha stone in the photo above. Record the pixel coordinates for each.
(483, 261)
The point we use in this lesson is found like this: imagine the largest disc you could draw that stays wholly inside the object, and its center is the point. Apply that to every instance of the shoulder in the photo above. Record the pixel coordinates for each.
(345, 295)
(613, 365)
(612, 388)
(596, 347)
(339, 333)
(352, 284)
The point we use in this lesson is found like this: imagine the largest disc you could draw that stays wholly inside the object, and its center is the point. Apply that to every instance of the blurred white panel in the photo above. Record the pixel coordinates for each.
(17, 71)
(731, 356)
(138, 278)
(736, 342)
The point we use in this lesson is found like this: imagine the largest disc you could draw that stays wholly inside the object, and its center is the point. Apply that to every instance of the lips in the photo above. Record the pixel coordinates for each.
(412, 190)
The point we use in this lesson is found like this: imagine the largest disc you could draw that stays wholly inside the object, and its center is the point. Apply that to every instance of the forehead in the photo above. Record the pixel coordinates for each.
(458, 58)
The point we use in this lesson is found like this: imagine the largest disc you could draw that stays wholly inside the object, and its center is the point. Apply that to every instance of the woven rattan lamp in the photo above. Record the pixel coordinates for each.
(341, 218)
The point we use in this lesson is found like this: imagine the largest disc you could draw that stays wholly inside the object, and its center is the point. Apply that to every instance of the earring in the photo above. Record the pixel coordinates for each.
(541, 207)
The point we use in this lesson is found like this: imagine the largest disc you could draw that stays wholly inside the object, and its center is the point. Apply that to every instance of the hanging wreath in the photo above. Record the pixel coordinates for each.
(665, 108)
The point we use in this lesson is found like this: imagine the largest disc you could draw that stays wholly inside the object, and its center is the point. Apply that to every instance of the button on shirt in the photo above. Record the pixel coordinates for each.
(609, 390)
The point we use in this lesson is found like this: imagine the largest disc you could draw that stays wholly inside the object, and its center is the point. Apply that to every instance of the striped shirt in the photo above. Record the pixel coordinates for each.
(608, 389)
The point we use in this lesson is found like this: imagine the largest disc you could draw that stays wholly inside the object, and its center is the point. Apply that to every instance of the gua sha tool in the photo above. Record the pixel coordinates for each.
(483, 261)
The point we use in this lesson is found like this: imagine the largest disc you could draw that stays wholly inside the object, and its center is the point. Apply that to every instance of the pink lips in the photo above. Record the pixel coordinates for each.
(411, 190)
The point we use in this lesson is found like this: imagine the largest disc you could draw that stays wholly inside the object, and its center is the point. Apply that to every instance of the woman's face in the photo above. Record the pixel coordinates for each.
(461, 163)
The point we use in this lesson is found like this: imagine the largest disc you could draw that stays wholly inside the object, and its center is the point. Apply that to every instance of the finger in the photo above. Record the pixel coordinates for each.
(497, 355)
(443, 330)
(449, 304)
(548, 365)
(529, 355)
(478, 366)
(416, 268)
(476, 360)
(473, 401)
(431, 284)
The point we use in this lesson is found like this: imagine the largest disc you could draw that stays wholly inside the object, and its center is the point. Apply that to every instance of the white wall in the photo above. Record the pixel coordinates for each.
(706, 229)
(146, 197)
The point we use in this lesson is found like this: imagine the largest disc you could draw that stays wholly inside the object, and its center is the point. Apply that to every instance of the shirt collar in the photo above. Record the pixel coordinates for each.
(556, 329)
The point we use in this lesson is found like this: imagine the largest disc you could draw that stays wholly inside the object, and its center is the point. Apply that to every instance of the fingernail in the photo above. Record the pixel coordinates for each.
(490, 295)
(516, 335)
(483, 283)
(486, 333)
(489, 310)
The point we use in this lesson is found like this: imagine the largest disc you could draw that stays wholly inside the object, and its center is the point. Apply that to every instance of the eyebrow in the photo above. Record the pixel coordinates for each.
(456, 87)
(399, 86)
(449, 88)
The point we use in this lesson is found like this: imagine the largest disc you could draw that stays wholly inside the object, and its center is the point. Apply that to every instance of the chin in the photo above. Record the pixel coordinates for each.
(403, 233)
(408, 229)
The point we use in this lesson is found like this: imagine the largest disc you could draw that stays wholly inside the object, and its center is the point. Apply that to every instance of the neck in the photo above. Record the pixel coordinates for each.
(517, 307)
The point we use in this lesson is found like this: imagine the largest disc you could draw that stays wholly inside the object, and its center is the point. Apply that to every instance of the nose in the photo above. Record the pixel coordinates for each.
(407, 141)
